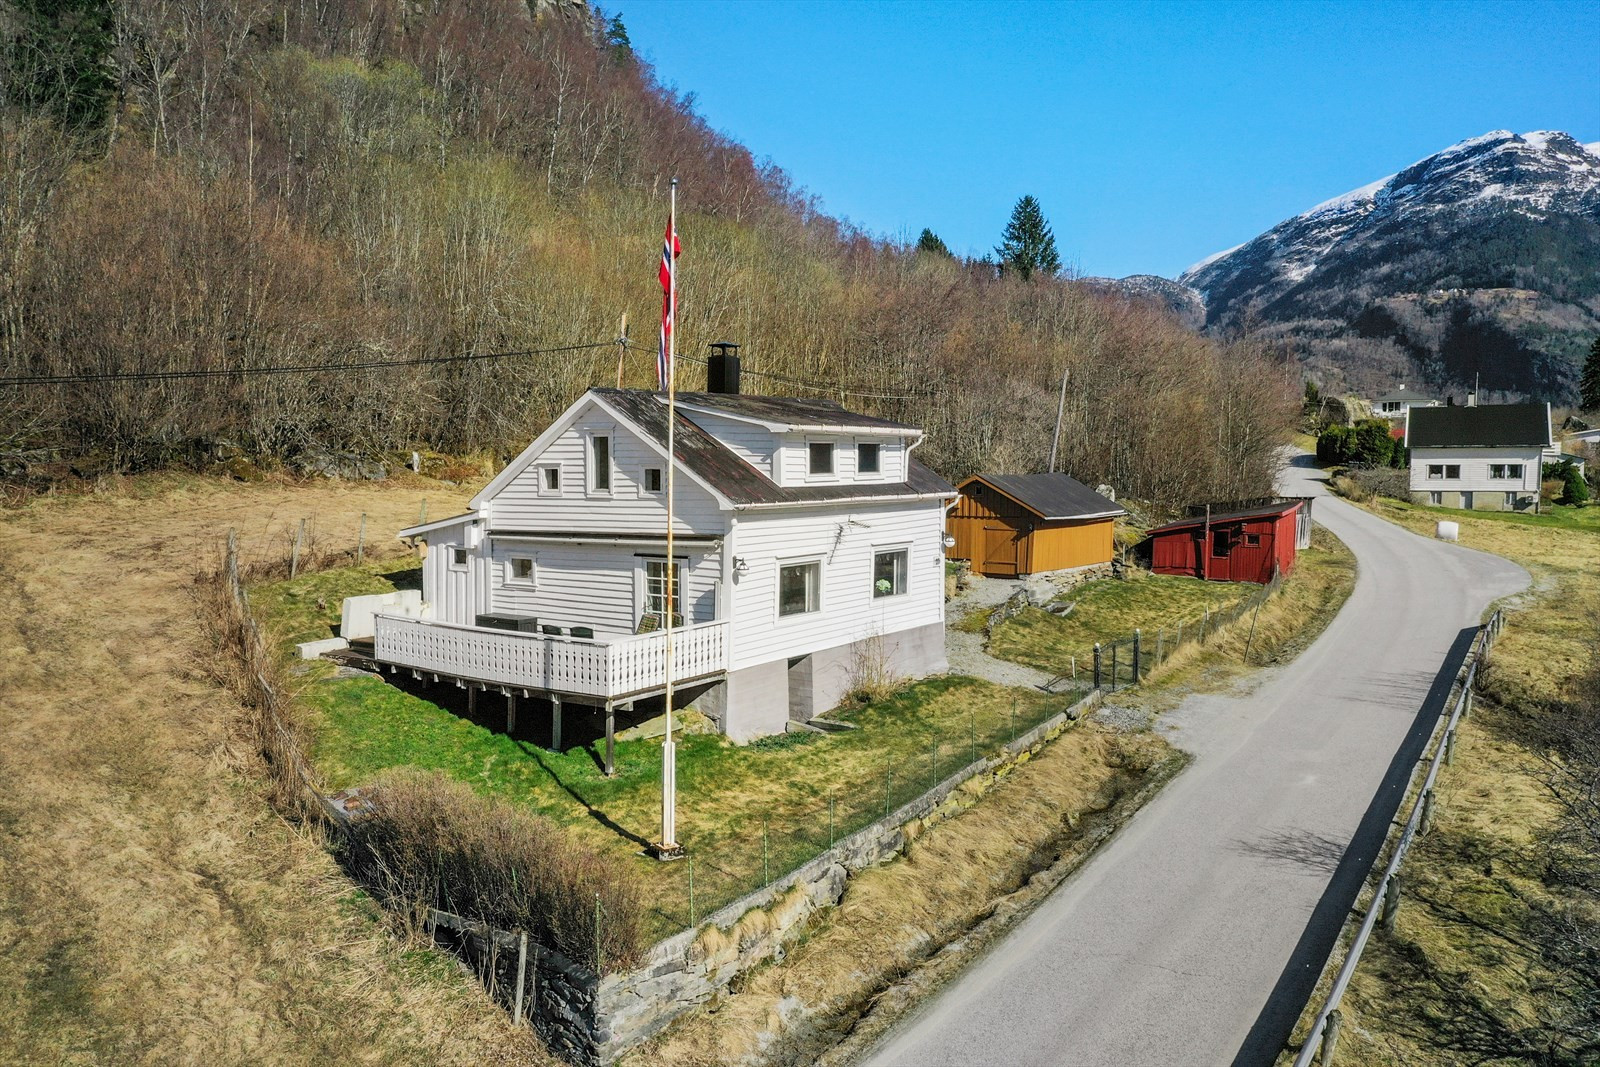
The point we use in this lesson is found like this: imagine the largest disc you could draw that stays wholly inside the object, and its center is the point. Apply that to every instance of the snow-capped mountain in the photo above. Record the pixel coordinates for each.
(1185, 303)
(1480, 259)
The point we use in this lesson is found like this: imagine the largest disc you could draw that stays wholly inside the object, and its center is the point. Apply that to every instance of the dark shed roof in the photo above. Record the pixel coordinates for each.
(1485, 426)
(737, 479)
(794, 411)
(1265, 511)
(1051, 496)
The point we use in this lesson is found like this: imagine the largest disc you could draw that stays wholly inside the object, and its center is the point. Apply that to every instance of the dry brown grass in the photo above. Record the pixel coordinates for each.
(153, 908)
(1485, 868)
(892, 918)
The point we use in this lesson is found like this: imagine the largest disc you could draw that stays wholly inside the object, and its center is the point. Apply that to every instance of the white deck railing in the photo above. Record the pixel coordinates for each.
(602, 667)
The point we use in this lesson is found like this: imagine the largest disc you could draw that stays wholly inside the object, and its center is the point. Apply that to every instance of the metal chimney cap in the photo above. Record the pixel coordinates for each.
(723, 346)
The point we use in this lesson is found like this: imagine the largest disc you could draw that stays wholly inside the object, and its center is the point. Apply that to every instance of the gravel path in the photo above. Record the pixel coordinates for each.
(965, 651)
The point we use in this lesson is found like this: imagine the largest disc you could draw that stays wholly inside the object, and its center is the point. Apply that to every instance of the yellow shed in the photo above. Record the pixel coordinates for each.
(1013, 524)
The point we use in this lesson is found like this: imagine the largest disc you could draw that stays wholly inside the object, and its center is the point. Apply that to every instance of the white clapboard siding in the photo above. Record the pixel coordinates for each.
(627, 509)
(849, 611)
(453, 594)
(618, 668)
(601, 586)
(1474, 464)
(753, 444)
(794, 459)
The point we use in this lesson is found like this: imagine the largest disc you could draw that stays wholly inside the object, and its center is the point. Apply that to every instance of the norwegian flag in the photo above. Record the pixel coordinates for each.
(670, 250)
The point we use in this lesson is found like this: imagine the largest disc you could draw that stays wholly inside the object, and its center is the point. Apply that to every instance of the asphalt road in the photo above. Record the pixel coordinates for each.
(1194, 938)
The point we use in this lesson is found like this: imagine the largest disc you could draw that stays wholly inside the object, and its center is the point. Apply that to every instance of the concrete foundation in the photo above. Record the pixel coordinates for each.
(1494, 500)
(761, 700)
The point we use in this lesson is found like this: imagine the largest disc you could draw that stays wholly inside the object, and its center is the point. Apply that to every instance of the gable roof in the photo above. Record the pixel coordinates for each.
(783, 413)
(737, 480)
(1265, 511)
(1404, 395)
(1485, 426)
(1051, 496)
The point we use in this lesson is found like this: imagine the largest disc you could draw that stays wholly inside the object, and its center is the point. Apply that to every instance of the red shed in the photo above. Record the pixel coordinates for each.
(1241, 546)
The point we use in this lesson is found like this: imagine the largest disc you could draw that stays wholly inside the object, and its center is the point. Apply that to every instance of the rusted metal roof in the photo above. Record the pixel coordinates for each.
(739, 480)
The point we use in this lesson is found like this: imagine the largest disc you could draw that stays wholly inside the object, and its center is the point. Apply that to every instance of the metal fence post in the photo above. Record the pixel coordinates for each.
(1096, 666)
(1135, 655)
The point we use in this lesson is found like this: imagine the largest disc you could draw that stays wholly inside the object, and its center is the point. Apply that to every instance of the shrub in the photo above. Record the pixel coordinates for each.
(1572, 489)
(430, 842)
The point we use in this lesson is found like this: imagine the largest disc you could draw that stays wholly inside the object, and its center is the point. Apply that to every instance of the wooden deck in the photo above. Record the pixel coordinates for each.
(606, 668)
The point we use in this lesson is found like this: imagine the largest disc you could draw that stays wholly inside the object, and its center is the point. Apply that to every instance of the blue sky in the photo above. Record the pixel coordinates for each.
(1153, 133)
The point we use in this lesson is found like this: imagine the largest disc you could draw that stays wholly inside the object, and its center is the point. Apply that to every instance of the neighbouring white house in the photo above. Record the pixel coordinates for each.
(1394, 405)
(1484, 457)
(808, 548)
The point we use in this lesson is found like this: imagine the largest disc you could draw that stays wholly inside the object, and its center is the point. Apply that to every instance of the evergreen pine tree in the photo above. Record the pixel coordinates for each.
(1027, 245)
(1589, 383)
(930, 242)
(617, 41)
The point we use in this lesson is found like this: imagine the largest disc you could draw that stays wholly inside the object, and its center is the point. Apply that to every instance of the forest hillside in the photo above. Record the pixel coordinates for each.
(373, 201)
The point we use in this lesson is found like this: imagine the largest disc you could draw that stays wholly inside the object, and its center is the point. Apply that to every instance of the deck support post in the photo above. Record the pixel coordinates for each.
(555, 722)
(511, 713)
(611, 729)
(472, 701)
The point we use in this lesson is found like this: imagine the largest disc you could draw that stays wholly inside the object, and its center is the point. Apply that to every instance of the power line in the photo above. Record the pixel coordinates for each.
(315, 368)
(821, 387)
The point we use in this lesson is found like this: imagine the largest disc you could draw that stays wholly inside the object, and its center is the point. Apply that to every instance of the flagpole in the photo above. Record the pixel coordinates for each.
(669, 847)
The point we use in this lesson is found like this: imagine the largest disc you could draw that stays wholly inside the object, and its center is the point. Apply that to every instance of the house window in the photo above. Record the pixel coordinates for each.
(889, 572)
(599, 464)
(1444, 470)
(1505, 470)
(652, 479)
(519, 570)
(550, 481)
(1436, 470)
(1436, 498)
(799, 588)
(819, 457)
(1511, 500)
(458, 558)
(1252, 539)
(867, 459)
(656, 593)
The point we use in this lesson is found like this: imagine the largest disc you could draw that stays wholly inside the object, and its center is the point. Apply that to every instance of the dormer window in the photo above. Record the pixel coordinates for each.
(819, 457)
(867, 458)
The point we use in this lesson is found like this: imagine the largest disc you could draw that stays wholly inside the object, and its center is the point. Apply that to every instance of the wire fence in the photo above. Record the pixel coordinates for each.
(1385, 906)
(762, 846)
(1124, 661)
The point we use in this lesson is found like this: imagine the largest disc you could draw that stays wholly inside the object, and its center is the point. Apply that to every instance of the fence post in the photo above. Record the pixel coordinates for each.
(1113, 666)
(294, 558)
(1248, 641)
(1391, 902)
(522, 970)
(1136, 656)
(1466, 707)
(1427, 812)
(361, 539)
(1096, 667)
(1450, 749)
(1330, 1036)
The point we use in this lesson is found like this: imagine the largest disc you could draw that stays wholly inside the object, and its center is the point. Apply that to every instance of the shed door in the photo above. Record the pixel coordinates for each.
(1000, 550)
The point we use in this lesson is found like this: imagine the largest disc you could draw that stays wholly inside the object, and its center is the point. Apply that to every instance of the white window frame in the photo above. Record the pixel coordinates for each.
(1516, 470)
(777, 599)
(1435, 472)
(1511, 498)
(905, 582)
(511, 579)
(1452, 472)
(545, 470)
(1436, 498)
(877, 447)
(661, 477)
(833, 459)
(681, 578)
(591, 481)
(452, 558)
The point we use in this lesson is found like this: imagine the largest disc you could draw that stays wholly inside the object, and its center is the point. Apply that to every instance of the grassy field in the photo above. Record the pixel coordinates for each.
(1109, 610)
(1464, 979)
(746, 813)
(153, 908)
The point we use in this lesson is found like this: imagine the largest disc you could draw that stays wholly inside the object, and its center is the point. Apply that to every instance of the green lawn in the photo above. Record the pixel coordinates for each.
(1106, 611)
(1554, 516)
(746, 814)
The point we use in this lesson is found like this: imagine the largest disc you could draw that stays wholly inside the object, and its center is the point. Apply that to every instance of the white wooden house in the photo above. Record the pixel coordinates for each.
(1483, 457)
(1395, 404)
(808, 542)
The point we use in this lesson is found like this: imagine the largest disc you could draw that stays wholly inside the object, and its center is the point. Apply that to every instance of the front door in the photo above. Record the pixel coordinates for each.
(1000, 551)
